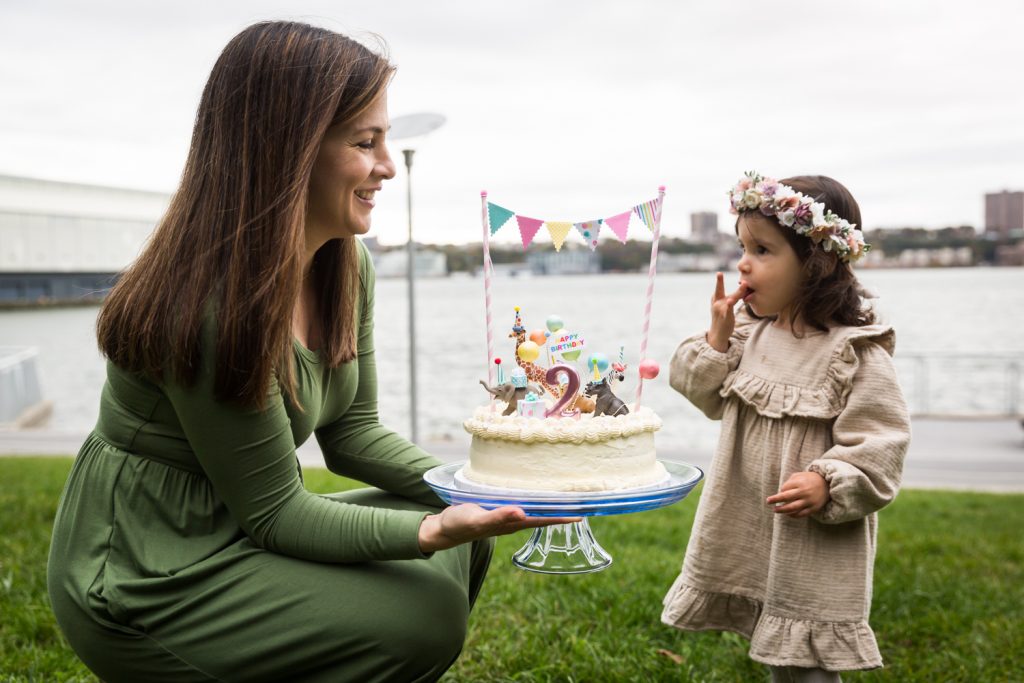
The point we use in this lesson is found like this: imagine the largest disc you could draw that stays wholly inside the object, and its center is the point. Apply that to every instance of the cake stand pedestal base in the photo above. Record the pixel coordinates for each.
(562, 549)
(565, 548)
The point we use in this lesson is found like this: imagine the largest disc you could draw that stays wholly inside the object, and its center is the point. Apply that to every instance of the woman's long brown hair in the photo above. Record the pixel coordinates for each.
(233, 234)
(829, 292)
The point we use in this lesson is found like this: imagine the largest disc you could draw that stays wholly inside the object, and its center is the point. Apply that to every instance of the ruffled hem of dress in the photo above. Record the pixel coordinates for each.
(693, 609)
(774, 640)
(778, 399)
(829, 645)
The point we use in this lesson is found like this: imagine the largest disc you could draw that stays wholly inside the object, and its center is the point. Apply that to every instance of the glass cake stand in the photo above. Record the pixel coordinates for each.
(565, 548)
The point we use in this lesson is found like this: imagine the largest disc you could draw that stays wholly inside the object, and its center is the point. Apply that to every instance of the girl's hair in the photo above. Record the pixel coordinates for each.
(829, 292)
(233, 235)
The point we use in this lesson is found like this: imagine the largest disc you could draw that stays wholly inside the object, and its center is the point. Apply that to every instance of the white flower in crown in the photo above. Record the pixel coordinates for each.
(818, 215)
(784, 192)
(796, 210)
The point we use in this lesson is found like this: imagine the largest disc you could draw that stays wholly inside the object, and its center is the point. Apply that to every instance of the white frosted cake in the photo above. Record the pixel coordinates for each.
(563, 454)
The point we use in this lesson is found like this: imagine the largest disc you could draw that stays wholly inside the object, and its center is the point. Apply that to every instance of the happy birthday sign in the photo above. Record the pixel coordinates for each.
(563, 343)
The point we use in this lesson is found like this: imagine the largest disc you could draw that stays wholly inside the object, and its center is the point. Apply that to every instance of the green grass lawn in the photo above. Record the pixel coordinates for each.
(948, 606)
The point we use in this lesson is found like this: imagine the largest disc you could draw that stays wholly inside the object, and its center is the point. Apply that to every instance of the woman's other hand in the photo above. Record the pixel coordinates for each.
(723, 317)
(469, 522)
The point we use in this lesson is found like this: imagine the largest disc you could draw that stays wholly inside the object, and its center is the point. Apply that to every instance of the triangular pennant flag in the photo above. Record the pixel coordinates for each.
(648, 212)
(619, 224)
(589, 231)
(497, 216)
(528, 228)
(558, 231)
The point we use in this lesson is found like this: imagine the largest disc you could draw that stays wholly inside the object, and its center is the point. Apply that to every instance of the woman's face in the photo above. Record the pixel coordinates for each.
(350, 167)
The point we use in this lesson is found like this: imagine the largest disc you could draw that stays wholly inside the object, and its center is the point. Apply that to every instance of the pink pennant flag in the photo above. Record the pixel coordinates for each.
(589, 230)
(558, 231)
(620, 224)
(528, 228)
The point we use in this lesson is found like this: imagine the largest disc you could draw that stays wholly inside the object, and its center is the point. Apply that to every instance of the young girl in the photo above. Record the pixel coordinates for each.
(814, 431)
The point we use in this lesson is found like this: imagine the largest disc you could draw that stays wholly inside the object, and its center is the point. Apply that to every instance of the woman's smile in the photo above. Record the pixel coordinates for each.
(366, 197)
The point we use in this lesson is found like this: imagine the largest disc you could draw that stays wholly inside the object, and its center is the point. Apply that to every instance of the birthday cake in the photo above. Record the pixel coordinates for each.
(543, 431)
(563, 454)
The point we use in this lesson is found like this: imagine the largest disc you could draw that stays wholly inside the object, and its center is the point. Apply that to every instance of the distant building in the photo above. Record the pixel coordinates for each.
(1004, 211)
(1010, 255)
(686, 263)
(395, 263)
(564, 262)
(65, 242)
(704, 227)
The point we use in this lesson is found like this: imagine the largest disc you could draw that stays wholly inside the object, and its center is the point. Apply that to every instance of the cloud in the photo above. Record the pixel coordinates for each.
(565, 109)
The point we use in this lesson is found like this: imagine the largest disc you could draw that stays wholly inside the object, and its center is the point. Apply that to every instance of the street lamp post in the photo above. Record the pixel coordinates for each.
(410, 275)
(409, 126)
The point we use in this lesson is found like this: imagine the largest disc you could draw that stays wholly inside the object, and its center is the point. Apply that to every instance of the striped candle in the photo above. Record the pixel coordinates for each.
(651, 271)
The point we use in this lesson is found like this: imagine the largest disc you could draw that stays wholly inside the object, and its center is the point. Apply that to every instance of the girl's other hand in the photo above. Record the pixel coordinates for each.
(803, 494)
(469, 522)
(723, 318)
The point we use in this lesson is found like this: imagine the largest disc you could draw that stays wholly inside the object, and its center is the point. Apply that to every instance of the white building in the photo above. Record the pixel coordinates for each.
(64, 242)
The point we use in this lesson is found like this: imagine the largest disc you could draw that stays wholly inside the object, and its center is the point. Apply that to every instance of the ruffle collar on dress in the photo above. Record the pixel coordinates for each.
(776, 399)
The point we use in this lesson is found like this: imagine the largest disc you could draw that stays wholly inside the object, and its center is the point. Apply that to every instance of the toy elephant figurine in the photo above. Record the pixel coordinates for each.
(511, 394)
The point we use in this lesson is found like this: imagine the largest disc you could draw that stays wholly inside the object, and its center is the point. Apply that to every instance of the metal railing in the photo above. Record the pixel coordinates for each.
(959, 384)
(19, 381)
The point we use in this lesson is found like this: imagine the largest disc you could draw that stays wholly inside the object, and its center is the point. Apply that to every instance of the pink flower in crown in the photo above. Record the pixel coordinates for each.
(802, 211)
(744, 184)
(769, 186)
(788, 203)
(855, 245)
(820, 232)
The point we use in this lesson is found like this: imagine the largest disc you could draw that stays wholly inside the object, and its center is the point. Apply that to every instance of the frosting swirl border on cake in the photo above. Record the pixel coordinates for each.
(488, 423)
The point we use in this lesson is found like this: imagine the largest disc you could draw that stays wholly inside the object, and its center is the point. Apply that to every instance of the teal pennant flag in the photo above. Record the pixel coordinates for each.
(497, 216)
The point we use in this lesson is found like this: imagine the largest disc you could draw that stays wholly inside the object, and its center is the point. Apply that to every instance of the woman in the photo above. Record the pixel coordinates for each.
(185, 546)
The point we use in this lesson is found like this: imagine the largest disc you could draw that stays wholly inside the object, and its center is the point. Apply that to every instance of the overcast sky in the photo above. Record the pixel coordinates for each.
(564, 110)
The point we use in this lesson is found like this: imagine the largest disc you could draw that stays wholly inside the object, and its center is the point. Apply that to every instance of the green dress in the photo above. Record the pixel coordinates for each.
(186, 548)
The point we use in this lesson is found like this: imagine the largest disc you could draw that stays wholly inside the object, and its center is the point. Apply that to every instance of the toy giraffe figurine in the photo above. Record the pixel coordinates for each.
(534, 373)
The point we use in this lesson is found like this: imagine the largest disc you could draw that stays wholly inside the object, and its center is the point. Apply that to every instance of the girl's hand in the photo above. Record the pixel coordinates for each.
(469, 522)
(723, 319)
(803, 494)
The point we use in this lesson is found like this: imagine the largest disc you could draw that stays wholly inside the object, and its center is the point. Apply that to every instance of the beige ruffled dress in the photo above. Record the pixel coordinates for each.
(800, 589)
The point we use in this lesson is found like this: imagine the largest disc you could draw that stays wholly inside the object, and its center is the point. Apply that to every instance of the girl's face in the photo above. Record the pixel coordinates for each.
(350, 168)
(769, 268)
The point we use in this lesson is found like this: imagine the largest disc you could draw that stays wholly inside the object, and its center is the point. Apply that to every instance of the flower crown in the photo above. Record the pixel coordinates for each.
(798, 211)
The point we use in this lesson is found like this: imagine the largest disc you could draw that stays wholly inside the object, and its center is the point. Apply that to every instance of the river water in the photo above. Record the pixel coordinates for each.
(968, 323)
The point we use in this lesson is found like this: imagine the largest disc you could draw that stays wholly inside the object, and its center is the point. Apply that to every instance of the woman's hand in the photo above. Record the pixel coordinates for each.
(803, 494)
(469, 522)
(723, 318)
